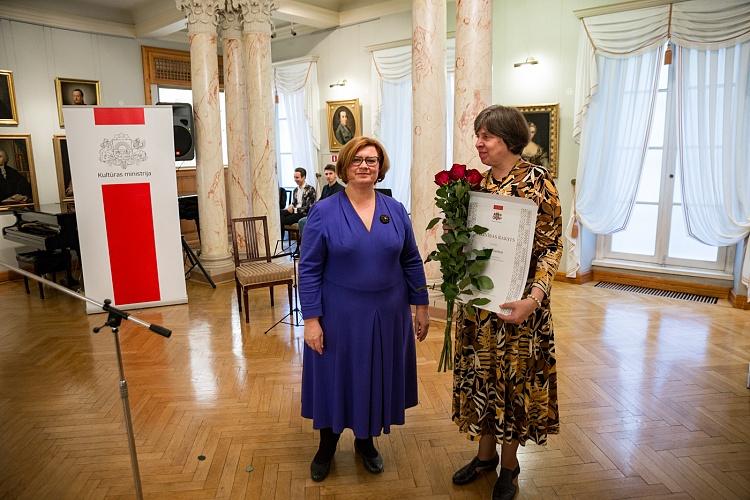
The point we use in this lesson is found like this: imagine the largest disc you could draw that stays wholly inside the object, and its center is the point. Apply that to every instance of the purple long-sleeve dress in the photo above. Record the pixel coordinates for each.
(360, 284)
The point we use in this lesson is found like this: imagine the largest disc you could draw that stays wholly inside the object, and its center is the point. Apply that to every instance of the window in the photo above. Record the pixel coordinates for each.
(656, 232)
(167, 94)
(284, 146)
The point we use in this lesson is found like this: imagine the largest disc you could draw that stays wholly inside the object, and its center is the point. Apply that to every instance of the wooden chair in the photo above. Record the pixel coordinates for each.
(253, 267)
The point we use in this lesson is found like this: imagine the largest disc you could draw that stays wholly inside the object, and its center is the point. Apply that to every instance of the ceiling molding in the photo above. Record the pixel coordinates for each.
(621, 7)
(158, 19)
(43, 17)
(309, 15)
(373, 11)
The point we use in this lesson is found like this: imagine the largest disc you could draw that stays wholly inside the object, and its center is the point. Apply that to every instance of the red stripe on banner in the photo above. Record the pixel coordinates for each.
(119, 116)
(497, 207)
(130, 238)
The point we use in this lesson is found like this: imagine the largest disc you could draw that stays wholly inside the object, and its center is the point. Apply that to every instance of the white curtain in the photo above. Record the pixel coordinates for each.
(395, 132)
(391, 112)
(707, 24)
(614, 140)
(298, 82)
(713, 112)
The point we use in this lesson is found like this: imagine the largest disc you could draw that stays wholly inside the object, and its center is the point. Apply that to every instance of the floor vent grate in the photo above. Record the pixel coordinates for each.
(657, 292)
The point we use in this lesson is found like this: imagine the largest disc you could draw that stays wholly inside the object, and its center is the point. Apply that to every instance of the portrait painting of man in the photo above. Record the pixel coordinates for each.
(73, 92)
(62, 165)
(344, 119)
(8, 113)
(17, 178)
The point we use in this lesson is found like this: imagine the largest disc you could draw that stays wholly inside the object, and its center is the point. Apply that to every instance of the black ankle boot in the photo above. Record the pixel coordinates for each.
(370, 456)
(321, 464)
(504, 488)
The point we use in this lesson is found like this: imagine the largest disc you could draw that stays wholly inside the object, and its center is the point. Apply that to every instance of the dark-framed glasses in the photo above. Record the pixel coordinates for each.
(370, 161)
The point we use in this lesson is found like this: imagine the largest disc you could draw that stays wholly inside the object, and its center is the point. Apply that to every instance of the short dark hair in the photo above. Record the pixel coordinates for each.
(78, 90)
(330, 167)
(349, 151)
(506, 123)
(301, 171)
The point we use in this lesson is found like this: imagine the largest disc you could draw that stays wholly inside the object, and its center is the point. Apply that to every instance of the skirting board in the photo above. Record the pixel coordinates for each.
(578, 280)
(651, 281)
(738, 301)
(9, 276)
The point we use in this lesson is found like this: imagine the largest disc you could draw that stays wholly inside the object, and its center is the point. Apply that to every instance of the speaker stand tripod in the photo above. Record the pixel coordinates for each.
(295, 315)
(194, 262)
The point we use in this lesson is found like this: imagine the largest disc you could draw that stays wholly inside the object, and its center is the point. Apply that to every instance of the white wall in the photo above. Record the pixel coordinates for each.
(37, 55)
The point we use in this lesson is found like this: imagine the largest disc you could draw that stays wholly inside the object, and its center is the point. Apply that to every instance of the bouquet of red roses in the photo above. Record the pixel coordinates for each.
(462, 269)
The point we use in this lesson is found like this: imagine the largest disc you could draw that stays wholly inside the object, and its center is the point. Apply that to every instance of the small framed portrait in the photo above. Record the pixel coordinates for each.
(344, 122)
(17, 177)
(8, 113)
(75, 92)
(62, 165)
(544, 125)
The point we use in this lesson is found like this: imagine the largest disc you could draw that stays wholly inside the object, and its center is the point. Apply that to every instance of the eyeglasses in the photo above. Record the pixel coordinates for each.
(370, 161)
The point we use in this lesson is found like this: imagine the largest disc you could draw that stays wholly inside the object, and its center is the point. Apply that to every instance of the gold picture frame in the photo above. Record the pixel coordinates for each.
(67, 91)
(62, 166)
(543, 148)
(8, 112)
(18, 186)
(340, 133)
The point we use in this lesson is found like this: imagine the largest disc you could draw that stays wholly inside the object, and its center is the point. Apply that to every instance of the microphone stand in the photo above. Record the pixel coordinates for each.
(295, 313)
(114, 320)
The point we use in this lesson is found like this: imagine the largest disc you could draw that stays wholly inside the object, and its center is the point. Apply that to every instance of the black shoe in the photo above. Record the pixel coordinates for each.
(470, 471)
(319, 471)
(374, 465)
(504, 488)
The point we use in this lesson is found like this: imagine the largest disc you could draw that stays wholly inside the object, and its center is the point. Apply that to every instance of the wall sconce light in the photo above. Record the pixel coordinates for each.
(340, 83)
(529, 60)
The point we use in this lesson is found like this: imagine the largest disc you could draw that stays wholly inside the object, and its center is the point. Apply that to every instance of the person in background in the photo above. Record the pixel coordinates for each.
(332, 186)
(359, 273)
(505, 376)
(303, 198)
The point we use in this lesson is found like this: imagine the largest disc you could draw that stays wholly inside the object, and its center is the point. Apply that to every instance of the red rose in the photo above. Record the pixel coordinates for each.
(458, 171)
(442, 178)
(474, 177)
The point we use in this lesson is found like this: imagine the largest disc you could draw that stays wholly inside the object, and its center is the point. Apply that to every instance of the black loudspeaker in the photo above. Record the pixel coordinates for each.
(182, 121)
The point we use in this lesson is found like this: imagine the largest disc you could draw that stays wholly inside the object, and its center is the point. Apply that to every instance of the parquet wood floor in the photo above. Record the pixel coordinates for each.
(652, 400)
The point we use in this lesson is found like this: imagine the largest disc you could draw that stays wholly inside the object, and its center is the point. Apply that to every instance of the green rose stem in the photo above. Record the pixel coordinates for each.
(461, 269)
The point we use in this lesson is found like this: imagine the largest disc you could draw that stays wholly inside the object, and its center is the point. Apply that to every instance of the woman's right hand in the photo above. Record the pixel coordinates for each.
(314, 335)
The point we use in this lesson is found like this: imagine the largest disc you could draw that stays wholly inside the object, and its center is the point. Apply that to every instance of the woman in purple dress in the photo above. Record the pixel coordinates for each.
(359, 272)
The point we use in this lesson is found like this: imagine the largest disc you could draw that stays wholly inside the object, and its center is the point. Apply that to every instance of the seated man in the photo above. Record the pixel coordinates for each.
(303, 198)
(332, 187)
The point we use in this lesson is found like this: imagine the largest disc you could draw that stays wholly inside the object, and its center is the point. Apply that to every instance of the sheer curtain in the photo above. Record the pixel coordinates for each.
(614, 140)
(391, 70)
(298, 82)
(713, 113)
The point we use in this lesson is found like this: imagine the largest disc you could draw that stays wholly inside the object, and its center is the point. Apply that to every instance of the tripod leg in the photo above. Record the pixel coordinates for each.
(289, 289)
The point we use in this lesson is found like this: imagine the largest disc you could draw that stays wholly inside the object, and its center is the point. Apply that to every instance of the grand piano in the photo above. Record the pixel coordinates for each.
(50, 231)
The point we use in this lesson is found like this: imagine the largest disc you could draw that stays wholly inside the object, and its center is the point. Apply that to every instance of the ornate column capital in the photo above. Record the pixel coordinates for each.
(256, 14)
(202, 15)
(230, 22)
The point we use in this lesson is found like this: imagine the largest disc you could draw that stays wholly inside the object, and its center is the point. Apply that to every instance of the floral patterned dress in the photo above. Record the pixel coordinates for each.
(504, 380)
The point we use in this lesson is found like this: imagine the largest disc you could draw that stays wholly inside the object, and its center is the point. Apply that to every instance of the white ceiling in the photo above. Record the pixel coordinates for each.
(160, 19)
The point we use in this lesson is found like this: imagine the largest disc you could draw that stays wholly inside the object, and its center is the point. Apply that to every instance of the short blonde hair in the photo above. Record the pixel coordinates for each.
(349, 151)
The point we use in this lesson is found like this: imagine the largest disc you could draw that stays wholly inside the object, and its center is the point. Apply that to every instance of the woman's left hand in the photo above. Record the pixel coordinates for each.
(520, 310)
(421, 322)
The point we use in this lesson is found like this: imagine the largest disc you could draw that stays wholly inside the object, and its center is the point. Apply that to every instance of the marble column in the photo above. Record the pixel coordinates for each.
(204, 74)
(428, 119)
(473, 89)
(236, 115)
(256, 38)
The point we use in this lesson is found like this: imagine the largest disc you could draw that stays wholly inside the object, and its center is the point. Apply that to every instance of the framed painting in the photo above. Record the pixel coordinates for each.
(344, 122)
(544, 125)
(8, 113)
(62, 165)
(17, 176)
(76, 93)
